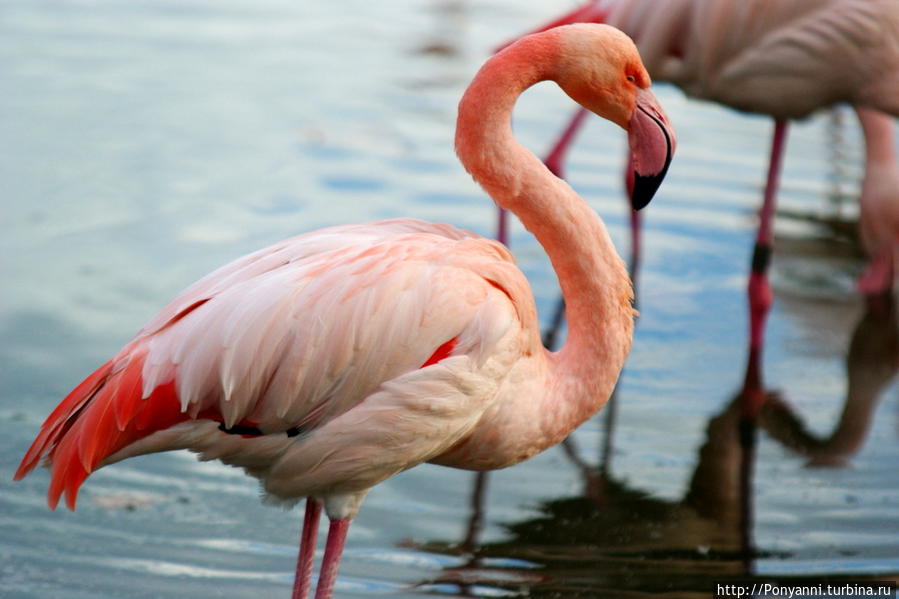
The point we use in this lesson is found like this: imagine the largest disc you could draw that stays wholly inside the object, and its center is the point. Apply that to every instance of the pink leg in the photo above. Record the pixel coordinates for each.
(502, 226)
(333, 549)
(636, 223)
(760, 296)
(636, 246)
(302, 581)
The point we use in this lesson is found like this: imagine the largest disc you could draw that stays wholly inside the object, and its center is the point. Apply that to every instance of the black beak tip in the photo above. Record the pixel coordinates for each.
(645, 188)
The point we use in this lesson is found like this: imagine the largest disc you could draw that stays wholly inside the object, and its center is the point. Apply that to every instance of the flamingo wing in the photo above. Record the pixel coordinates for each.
(288, 339)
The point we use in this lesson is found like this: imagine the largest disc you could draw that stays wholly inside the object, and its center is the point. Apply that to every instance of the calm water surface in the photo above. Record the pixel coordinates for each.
(146, 143)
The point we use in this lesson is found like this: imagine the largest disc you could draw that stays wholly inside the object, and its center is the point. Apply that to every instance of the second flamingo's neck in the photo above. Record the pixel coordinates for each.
(593, 278)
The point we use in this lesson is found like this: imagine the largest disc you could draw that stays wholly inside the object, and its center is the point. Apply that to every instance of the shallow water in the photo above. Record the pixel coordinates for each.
(146, 143)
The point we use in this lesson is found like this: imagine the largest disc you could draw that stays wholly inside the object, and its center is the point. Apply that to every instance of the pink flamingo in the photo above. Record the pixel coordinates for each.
(327, 363)
(879, 202)
(782, 58)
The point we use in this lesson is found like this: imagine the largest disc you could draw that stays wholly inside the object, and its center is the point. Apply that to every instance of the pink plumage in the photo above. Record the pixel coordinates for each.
(328, 362)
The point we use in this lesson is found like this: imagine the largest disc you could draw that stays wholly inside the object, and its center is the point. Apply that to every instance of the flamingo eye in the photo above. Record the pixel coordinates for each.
(631, 78)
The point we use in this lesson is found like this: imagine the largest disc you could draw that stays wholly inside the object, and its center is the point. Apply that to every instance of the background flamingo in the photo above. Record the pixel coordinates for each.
(290, 364)
(783, 58)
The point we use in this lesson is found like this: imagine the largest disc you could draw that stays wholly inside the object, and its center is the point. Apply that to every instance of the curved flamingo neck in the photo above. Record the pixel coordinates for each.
(850, 434)
(871, 366)
(593, 278)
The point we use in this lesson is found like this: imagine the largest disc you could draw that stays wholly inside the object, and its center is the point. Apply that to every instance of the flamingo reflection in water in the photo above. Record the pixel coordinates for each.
(871, 365)
(615, 537)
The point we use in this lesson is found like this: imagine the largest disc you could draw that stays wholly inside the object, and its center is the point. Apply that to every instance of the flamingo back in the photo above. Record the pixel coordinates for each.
(783, 58)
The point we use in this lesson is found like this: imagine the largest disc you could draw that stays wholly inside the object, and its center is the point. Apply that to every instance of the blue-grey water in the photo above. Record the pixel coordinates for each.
(145, 143)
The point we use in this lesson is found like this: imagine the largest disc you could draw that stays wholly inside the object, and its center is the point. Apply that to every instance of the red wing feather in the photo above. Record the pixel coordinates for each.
(58, 422)
(101, 416)
(441, 352)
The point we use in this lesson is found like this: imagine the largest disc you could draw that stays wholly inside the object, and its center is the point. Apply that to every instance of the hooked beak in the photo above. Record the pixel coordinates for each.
(652, 142)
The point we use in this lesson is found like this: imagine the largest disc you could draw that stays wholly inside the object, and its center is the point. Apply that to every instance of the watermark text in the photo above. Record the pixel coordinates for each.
(765, 590)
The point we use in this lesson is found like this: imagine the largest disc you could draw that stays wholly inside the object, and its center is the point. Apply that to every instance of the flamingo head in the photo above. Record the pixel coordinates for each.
(604, 73)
